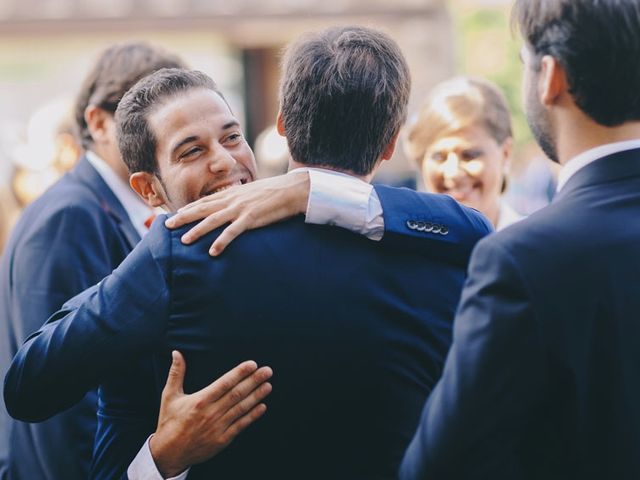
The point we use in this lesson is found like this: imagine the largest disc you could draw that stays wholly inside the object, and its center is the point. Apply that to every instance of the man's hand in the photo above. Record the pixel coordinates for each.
(193, 428)
(245, 207)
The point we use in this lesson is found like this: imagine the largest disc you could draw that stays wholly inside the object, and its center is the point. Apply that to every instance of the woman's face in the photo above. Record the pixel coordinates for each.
(468, 165)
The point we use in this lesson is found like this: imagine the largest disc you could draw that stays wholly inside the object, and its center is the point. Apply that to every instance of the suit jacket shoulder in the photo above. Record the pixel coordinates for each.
(545, 343)
(435, 225)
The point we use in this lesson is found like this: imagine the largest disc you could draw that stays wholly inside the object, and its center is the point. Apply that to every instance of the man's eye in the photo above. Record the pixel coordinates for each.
(233, 138)
(191, 152)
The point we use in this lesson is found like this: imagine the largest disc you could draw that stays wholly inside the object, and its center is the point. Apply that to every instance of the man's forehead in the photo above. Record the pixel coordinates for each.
(192, 109)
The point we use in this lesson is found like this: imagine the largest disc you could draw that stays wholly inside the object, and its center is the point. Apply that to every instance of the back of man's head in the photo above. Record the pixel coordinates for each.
(597, 43)
(136, 139)
(344, 95)
(117, 69)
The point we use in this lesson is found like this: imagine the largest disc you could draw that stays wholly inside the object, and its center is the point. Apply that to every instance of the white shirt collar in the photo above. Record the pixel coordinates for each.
(585, 158)
(327, 171)
(136, 209)
(507, 216)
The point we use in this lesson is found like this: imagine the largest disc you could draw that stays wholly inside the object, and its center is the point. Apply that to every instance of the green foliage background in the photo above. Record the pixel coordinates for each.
(487, 47)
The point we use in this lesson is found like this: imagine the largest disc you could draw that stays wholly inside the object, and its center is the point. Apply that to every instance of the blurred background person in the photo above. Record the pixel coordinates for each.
(272, 153)
(47, 151)
(462, 141)
(8, 212)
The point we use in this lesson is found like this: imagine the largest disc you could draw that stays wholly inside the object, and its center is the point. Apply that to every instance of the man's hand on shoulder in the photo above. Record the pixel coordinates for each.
(244, 207)
(193, 428)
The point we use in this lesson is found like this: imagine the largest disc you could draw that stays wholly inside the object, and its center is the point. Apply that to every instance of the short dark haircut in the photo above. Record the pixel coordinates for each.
(136, 140)
(116, 69)
(344, 94)
(598, 45)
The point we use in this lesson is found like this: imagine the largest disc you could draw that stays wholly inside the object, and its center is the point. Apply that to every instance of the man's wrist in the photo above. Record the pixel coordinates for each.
(299, 190)
(161, 454)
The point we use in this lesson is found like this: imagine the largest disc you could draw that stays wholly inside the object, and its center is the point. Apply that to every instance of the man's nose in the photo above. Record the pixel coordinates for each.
(221, 161)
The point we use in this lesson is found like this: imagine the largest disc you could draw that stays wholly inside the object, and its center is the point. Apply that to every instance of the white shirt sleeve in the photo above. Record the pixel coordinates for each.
(345, 201)
(144, 468)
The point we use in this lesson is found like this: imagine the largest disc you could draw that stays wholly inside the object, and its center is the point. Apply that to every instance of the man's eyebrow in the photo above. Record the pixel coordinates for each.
(230, 124)
(190, 139)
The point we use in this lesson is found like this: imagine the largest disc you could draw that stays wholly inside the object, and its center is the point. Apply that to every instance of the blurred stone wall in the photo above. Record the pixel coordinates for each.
(422, 28)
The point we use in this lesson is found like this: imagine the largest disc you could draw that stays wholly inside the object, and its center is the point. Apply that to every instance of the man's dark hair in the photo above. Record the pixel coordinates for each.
(114, 72)
(597, 42)
(136, 141)
(344, 95)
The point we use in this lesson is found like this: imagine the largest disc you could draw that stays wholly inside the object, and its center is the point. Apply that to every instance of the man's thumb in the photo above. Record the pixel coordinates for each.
(175, 379)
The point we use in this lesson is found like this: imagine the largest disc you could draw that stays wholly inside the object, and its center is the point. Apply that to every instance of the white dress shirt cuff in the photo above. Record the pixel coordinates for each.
(344, 201)
(144, 468)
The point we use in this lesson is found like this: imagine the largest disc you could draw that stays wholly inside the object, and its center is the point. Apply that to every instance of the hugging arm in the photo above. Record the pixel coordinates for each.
(227, 406)
(100, 332)
(329, 199)
(444, 230)
(95, 334)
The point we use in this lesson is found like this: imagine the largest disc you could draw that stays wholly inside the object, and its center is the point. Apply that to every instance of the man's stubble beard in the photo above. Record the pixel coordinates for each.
(540, 125)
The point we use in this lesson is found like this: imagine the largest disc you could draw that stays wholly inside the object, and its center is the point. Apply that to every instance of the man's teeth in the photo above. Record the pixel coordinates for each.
(226, 187)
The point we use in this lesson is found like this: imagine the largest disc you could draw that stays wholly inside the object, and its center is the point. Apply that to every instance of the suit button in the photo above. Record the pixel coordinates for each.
(444, 230)
(428, 227)
(411, 224)
(436, 228)
(420, 226)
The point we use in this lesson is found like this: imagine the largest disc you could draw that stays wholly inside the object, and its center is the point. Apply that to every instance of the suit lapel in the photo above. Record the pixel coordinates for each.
(607, 169)
(86, 174)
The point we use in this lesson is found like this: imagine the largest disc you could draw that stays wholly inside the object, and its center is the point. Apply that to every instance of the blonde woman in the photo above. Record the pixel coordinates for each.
(462, 141)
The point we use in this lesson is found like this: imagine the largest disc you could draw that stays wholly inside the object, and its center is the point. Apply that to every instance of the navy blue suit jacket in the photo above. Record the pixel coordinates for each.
(75, 234)
(542, 380)
(355, 331)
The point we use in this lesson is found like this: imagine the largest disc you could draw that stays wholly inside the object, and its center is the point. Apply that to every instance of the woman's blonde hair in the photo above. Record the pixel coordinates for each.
(458, 103)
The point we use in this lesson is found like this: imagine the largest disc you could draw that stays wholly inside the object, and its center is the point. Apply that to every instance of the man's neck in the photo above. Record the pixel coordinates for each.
(579, 135)
(365, 178)
(115, 164)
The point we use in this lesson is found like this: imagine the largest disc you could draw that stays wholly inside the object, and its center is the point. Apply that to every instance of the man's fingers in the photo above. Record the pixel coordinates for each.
(243, 422)
(245, 394)
(207, 225)
(175, 379)
(195, 211)
(239, 409)
(228, 381)
(228, 235)
(240, 391)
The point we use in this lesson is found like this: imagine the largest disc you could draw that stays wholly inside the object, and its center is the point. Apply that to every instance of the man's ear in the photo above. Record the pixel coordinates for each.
(387, 153)
(99, 122)
(552, 81)
(280, 124)
(146, 185)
